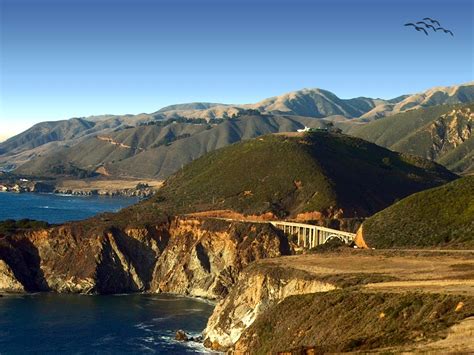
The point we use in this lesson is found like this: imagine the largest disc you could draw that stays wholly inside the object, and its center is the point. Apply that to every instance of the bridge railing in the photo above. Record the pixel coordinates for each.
(310, 235)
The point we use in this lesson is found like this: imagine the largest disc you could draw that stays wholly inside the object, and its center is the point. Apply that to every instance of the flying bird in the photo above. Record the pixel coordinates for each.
(444, 30)
(426, 24)
(417, 27)
(421, 29)
(448, 31)
(430, 26)
(432, 21)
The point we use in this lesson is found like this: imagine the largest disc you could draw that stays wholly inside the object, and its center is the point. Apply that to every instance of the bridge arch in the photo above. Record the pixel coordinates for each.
(309, 236)
(335, 236)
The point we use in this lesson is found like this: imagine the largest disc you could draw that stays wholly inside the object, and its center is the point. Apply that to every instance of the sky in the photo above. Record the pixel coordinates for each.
(74, 58)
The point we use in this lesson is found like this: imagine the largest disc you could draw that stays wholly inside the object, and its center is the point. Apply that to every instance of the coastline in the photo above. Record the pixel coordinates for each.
(261, 284)
(88, 187)
(155, 329)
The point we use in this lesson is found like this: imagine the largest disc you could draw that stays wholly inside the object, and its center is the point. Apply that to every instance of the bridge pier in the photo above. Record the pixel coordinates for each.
(310, 236)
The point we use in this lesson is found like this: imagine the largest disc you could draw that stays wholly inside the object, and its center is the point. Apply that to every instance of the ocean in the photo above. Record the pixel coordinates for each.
(82, 324)
(54, 208)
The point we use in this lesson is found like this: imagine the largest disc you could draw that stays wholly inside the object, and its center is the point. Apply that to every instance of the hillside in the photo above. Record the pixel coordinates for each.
(50, 138)
(440, 133)
(318, 175)
(158, 150)
(442, 216)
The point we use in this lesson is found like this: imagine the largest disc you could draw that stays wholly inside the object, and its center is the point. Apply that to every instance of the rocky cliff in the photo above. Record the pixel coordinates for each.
(258, 289)
(357, 322)
(450, 131)
(343, 300)
(186, 256)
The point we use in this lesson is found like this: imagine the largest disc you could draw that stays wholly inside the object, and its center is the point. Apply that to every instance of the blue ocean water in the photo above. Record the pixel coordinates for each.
(79, 324)
(55, 208)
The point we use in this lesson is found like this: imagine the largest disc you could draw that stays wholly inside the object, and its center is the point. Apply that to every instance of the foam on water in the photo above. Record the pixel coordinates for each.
(94, 324)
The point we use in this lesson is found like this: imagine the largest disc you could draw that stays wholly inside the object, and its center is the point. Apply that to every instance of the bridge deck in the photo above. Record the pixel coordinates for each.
(310, 235)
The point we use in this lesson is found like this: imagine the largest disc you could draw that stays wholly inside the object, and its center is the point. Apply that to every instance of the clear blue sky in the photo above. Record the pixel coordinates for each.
(67, 58)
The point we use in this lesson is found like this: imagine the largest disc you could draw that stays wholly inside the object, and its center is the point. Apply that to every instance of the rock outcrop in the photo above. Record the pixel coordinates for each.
(186, 256)
(357, 322)
(259, 288)
(450, 131)
(8, 280)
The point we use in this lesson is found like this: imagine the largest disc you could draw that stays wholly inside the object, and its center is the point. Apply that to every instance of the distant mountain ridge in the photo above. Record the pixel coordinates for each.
(441, 133)
(157, 151)
(52, 140)
(319, 103)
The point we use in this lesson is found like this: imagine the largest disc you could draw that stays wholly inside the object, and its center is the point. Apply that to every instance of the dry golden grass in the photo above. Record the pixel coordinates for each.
(88, 185)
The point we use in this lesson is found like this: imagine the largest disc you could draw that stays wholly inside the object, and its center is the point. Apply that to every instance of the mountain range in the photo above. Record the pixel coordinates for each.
(158, 144)
(442, 133)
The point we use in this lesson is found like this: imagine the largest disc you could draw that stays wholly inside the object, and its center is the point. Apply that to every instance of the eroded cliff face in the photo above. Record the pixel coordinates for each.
(8, 280)
(450, 130)
(186, 256)
(259, 287)
(204, 257)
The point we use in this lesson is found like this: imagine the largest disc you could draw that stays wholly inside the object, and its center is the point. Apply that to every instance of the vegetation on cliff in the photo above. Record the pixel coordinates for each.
(352, 321)
(326, 172)
(11, 226)
(442, 216)
(441, 133)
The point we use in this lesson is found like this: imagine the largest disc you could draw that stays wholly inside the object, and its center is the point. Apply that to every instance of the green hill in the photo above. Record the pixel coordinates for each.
(159, 150)
(37, 150)
(441, 133)
(334, 174)
(442, 216)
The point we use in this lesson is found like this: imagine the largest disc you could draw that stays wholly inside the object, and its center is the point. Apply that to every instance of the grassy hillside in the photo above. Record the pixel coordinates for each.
(44, 140)
(157, 151)
(389, 130)
(45, 132)
(441, 133)
(352, 322)
(442, 216)
(460, 158)
(112, 148)
(290, 175)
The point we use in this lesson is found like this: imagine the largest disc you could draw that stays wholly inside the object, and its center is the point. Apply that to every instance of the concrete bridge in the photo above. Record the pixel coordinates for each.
(310, 236)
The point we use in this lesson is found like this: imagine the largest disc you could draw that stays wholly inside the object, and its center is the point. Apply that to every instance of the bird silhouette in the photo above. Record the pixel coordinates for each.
(444, 30)
(430, 26)
(421, 29)
(426, 24)
(432, 21)
(448, 31)
(417, 27)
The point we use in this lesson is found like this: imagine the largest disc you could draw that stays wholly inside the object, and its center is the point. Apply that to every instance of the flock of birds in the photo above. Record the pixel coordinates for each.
(429, 25)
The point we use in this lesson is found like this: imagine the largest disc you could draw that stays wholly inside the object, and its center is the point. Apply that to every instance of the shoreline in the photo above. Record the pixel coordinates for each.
(142, 188)
(194, 341)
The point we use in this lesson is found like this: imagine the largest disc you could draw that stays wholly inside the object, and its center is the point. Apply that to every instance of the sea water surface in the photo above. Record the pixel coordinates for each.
(79, 324)
(54, 208)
